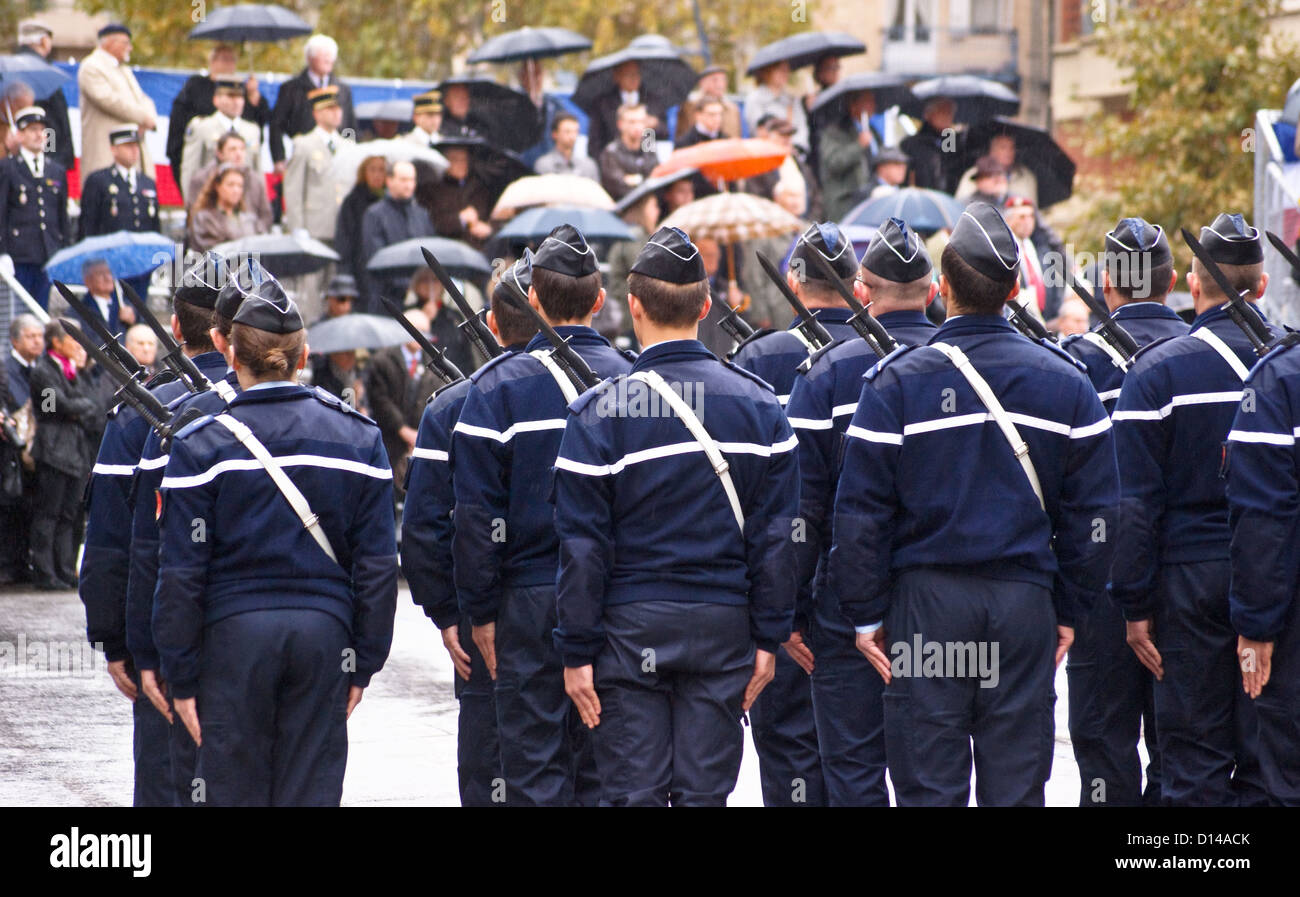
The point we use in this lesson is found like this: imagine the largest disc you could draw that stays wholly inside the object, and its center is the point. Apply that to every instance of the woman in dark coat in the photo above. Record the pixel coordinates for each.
(347, 231)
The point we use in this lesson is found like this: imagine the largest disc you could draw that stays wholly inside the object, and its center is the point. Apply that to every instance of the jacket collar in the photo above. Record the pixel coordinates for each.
(672, 350)
(576, 334)
(271, 394)
(1218, 313)
(211, 364)
(834, 315)
(972, 324)
(905, 318)
(1146, 310)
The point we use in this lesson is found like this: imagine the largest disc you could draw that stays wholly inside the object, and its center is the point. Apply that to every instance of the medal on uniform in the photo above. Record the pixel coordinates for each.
(22, 196)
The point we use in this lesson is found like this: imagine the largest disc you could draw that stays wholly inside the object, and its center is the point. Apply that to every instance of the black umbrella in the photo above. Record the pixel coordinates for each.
(497, 166)
(977, 98)
(890, 90)
(503, 116)
(282, 255)
(805, 49)
(530, 43)
(651, 185)
(460, 259)
(665, 77)
(250, 22)
(1035, 149)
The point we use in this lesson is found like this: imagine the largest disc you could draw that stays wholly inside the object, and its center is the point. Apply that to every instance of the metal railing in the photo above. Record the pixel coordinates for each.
(1278, 210)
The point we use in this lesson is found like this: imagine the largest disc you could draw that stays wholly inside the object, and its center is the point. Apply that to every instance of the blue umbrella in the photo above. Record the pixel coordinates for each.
(536, 223)
(129, 254)
(925, 211)
(33, 71)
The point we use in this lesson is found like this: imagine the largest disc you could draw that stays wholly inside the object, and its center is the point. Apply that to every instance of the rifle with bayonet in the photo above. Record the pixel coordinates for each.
(438, 364)
(573, 365)
(110, 346)
(817, 336)
(1025, 321)
(475, 330)
(867, 327)
(173, 353)
(1110, 330)
(735, 326)
(1239, 311)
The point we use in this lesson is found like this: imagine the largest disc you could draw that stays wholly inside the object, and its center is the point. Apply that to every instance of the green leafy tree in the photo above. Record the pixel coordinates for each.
(1183, 149)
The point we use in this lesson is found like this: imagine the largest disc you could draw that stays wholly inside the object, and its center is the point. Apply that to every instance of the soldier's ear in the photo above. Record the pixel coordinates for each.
(934, 289)
(176, 329)
(302, 357)
(708, 304)
(1261, 286)
(492, 324)
(600, 301)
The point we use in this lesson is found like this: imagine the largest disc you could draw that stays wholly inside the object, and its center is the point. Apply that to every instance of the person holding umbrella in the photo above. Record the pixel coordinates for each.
(460, 202)
(844, 152)
(35, 39)
(626, 162)
(933, 150)
(33, 207)
(772, 96)
(563, 159)
(295, 113)
(392, 219)
(1021, 181)
(195, 100)
(712, 85)
(604, 119)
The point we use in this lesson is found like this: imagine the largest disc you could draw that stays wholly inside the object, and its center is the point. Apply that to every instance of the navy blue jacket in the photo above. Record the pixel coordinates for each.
(929, 480)
(33, 212)
(505, 443)
(1146, 322)
(643, 517)
(1174, 413)
(427, 514)
(108, 204)
(231, 543)
(20, 382)
(776, 356)
(821, 404)
(106, 561)
(142, 582)
(1264, 497)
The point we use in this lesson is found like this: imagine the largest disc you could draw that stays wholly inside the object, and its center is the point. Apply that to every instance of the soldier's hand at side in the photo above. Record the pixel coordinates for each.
(459, 659)
(151, 683)
(764, 672)
(1256, 659)
(799, 651)
(122, 679)
(354, 698)
(579, 685)
(187, 709)
(485, 639)
(1139, 634)
(872, 646)
(1064, 639)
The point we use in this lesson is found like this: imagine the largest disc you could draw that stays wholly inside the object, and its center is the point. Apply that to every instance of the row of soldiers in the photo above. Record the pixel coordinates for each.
(881, 560)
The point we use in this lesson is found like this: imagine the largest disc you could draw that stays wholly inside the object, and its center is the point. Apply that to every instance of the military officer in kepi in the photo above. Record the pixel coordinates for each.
(120, 197)
(203, 133)
(676, 486)
(33, 207)
(271, 622)
(972, 527)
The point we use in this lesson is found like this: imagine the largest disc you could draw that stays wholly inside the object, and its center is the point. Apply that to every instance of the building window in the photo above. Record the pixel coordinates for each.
(985, 16)
(911, 21)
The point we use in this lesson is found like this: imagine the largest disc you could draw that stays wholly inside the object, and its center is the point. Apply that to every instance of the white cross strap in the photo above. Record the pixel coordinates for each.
(1210, 338)
(1101, 343)
(566, 385)
(292, 493)
(1000, 416)
(707, 442)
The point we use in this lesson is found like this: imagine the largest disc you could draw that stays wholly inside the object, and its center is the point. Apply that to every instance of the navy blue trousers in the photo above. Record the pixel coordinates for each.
(546, 754)
(1206, 725)
(184, 754)
(785, 737)
(478, 752)
(272, 706)
(34, 280)
(671, 679)
(848, 702)
(1279, 723)
(933, 718)
(1112, 705)
(153, 769)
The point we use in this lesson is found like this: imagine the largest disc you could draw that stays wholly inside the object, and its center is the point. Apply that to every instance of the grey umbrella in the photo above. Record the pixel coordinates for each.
(664, 76)
(460, 259)
(890, 90)
(283, 255)
(529, 43)
(250, 22)
(805, 49)
(355, 331)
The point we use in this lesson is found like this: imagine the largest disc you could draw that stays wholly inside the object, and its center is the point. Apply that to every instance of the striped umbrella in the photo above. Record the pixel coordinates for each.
(732, 218)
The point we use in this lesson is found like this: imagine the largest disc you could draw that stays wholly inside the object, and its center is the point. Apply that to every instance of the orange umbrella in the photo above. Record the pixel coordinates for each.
(728, 160)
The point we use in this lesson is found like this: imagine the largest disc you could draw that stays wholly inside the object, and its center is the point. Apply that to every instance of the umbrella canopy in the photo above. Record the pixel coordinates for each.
(33, 71)
(805, 49)
(925, 211)
(651, 185)
(497, 165)
(536, 223)
(551, 190)
(128, 253)
(976, 98)
(664, 76)
(529, 43)
(733, 218)
(355, 331)
(350, 156)
(729, 159)
(282, 255)
(1035, 149)
(504, 116)
(257, 22)
(389, 110)
(890, 90)
(460, 259)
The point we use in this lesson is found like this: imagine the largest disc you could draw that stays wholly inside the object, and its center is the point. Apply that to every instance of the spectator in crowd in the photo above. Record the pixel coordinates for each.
(102, 297)
(990, 182)
(767, 308)
(724, 294)
(233, 151)
(825, 74)
(33, 207)
(27, 338)
(888, 173)
(372, 174)
(338, 373)
(708, 126)
(120, 197)
(794, 169)
(933, 150)
(398, 385)
(294, 112)
(772, 96)
(202, 134)
(1019, 213)
(603, 125)
(27, 342)
(674, 196)
(532, 81)
(845, 150)
(426, 118)
(425, 293)
(219, 214)
(196, 100)
(1072, 318)
(640, 212)
(63, 458)
(710, 85)
(792, 196)
(35, 39)
(392, 219)
(16, 96)
(1020, 180)
(143, 346)
(627, 161)
(563, 159)
(460, 202)
(110, 98)
(340, 296)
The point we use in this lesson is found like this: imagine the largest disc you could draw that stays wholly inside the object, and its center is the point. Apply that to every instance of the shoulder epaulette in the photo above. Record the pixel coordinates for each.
(732, 366)
(891, 357)
(333, 401)
(1064, 354)
(196, 424)
(628, 354)
(1151, 345)
(589, 395)
(756, 335)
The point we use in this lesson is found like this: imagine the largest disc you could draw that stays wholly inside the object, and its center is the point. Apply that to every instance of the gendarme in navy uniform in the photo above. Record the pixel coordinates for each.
(277, 612)
(33, 206)
(972, 527)
(675, 492)
(428, 521)
(505, 549)
(895, 279)
(1112, 697)
(1171, 573)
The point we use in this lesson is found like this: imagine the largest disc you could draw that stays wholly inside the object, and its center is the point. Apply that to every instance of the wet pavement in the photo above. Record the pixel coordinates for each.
(65, 737)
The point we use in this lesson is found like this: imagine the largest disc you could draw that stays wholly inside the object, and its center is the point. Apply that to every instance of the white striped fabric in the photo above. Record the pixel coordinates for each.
(525, 426)
(1199, 398)
(207, 476)
(666, 451)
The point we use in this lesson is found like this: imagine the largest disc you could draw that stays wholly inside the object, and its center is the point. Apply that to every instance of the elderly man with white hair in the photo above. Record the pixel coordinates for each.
(111, 98)
(292, 115)
(36, 39)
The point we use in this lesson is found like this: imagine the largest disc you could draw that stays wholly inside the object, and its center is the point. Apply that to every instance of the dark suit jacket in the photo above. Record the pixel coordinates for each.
(292, 114)
(195, 99)
(396, 400)
(114, 321)
(105, 210)
(20, 386)
(602, 123)
(56, 115)
(26, 234)
(62, 440)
